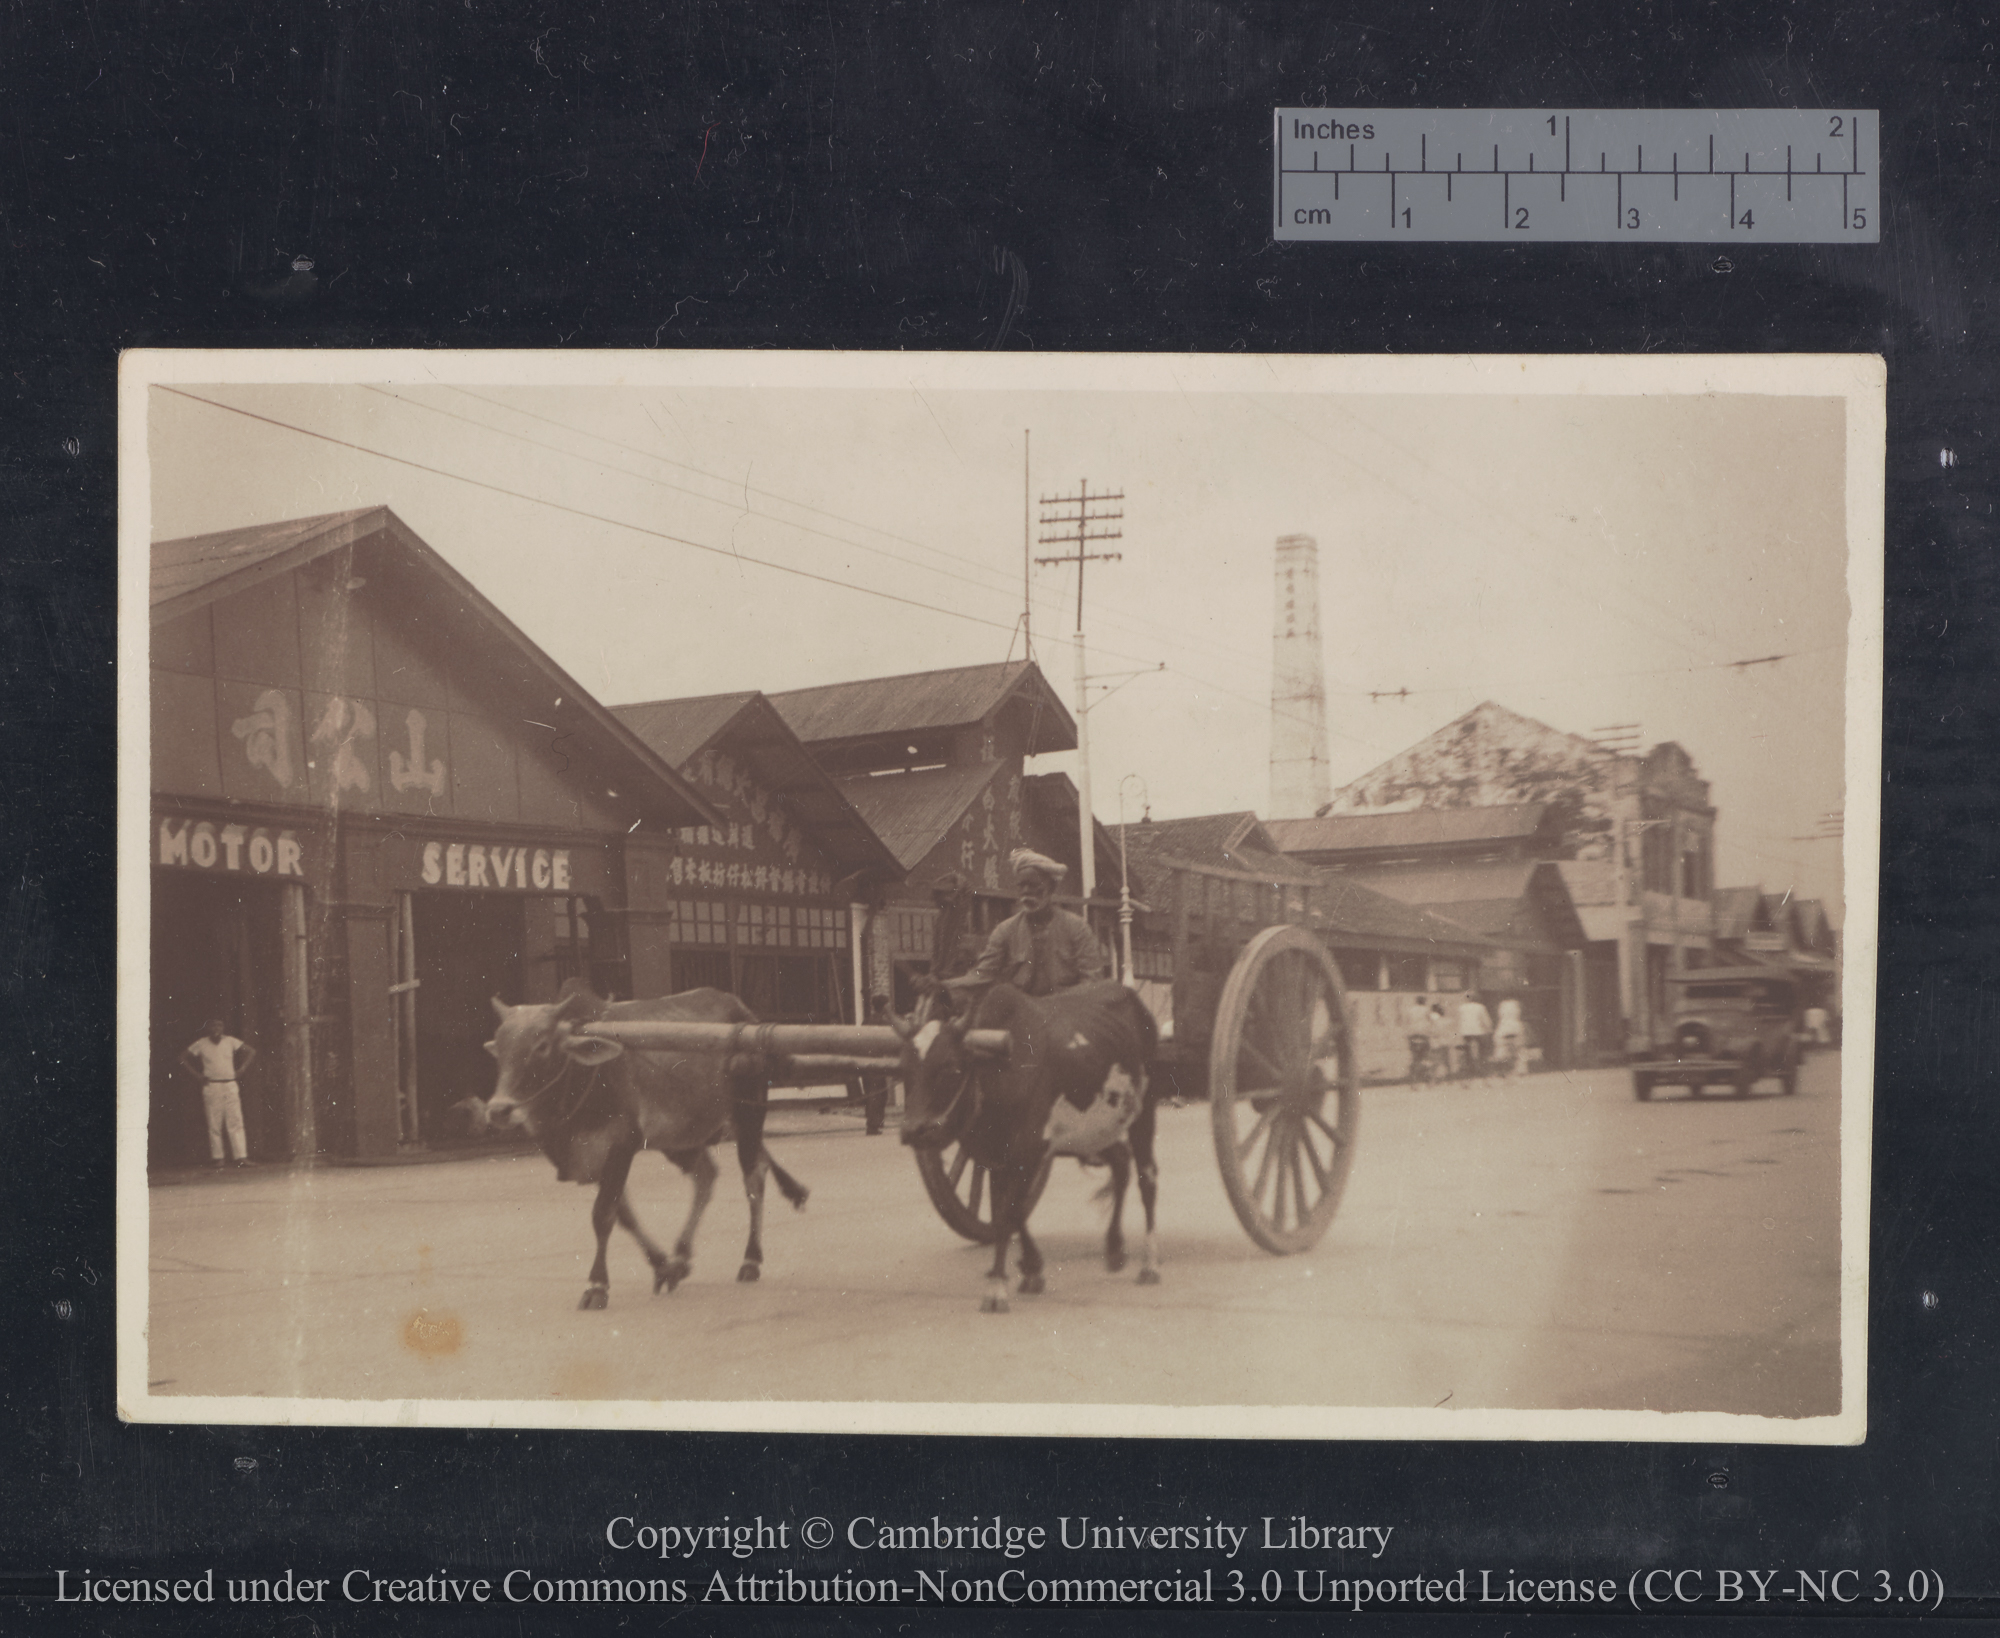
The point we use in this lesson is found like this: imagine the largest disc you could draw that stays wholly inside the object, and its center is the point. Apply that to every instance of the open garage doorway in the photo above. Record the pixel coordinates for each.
(461, 950)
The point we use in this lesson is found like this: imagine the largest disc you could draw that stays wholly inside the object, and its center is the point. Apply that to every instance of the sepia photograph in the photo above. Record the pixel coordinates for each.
(1174, 895)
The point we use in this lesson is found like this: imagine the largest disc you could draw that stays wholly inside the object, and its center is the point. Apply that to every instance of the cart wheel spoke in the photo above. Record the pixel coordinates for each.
(966, 1204)
(1275, 1072)
(1250, 1138)
(1319, 1171)
(1339, 1142)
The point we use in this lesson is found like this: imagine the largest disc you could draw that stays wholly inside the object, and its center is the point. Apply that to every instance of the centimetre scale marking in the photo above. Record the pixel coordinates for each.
(1806, 176)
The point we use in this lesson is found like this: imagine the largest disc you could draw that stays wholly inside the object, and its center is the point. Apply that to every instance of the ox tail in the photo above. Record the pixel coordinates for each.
(789, 1186)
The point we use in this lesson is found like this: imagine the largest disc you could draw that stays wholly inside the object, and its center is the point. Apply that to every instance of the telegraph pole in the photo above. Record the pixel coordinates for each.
(1075, 528)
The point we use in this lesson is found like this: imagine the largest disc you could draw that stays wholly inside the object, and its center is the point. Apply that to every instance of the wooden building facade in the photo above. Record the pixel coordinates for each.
(376, 805)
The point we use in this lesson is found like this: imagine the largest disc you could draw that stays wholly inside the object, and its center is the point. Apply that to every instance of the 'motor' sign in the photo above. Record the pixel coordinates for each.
(251, 850)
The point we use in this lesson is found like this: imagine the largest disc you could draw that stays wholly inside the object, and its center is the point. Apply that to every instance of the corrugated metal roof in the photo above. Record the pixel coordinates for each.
(1214, 838)
(195, 561)
(746, 726)
(1417, 827)
(925, 699)
(912, 811)
(1354, 913)
(677, 729)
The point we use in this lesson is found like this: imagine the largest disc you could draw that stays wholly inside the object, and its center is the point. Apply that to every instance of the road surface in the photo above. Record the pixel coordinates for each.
(1543, 1243)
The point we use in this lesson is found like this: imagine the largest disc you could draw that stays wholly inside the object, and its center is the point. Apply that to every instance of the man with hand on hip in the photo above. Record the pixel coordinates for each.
(219, 1058)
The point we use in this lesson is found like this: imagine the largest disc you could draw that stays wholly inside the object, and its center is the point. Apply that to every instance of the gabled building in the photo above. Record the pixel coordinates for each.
(1646, 819)
(376, 804)
(758, 903)
(1211, 881)
(935, 763)
(1415, 836)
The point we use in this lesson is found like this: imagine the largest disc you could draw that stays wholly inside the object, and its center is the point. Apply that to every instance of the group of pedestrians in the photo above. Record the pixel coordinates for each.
(1484, 1045)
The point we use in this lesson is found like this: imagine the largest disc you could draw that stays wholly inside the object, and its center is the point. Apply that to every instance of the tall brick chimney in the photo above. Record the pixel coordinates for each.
(1300, 781)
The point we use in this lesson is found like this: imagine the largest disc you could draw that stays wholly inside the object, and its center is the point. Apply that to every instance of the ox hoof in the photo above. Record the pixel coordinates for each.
(596, 1297)
(748, 1274)
(994, 1302)
(1149, 1276)
(799, 1200)
(1115, 1260)
(670, 1274)
(1031, 1285)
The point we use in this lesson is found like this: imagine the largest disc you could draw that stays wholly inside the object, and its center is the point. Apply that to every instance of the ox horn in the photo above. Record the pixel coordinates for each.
(903, 1024)
(500, 1008)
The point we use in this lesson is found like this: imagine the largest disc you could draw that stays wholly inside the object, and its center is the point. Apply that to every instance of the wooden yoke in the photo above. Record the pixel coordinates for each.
(845, 1041)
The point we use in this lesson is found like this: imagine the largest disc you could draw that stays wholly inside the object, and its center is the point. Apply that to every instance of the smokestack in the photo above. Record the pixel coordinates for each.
(1300, 781)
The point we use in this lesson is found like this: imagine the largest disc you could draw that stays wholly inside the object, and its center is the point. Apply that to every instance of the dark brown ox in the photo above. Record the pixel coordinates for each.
(1072, 1082)
(593, 1106)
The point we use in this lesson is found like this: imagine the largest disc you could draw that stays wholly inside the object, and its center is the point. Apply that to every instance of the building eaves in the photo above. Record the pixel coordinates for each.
(196, 570)
(744, 725)
(911, 812)
(1413, 828)
(918, 701)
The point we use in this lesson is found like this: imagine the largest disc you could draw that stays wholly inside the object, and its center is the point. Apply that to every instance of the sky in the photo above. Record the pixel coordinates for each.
(718, 522)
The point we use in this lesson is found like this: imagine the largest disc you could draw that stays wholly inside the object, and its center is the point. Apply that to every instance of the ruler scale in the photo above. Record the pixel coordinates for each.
(1578, 175)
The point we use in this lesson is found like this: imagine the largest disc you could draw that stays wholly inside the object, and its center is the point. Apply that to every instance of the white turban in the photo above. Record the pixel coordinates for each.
(1024, 859)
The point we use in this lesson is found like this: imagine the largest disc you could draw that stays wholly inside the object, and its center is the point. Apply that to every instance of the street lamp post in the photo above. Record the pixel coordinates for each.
(1125, 878)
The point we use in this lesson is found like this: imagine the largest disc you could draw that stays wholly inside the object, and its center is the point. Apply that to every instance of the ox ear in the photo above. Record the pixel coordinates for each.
(591, 1049)
(500, 1009)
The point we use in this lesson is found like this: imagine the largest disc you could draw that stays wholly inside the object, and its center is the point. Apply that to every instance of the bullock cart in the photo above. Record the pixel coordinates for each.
(1260, 1027)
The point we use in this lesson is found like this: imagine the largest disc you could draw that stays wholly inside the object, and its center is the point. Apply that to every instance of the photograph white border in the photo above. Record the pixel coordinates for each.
(1858, 380)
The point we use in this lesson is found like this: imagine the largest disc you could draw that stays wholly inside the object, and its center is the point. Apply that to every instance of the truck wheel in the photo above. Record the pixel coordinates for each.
(1642, 1087)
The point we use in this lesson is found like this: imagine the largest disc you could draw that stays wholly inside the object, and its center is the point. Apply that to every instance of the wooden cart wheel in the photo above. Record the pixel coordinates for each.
(1282, 1090)
(962, 1192)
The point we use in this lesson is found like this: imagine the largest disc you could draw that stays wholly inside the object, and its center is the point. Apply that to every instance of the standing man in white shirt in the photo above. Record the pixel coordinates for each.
(219, 1058)
(1511, 1036)
(1475, 1029)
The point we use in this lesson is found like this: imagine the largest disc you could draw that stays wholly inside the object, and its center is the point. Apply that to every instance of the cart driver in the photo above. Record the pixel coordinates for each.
(1041, 948)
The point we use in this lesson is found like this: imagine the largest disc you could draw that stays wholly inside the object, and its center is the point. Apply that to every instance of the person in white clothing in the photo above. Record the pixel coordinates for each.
(1475, 1029)
(1510, 1036)
(219, 1058)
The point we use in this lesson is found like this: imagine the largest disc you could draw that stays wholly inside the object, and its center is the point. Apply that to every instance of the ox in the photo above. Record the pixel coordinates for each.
(1073, 1082)
(593, 1106)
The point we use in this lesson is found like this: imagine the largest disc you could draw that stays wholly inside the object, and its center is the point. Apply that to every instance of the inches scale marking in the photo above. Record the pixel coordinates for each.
(1604, 175)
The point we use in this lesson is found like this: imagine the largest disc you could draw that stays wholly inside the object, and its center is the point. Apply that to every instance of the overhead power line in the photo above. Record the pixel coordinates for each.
(1223, 651)
(596, 517)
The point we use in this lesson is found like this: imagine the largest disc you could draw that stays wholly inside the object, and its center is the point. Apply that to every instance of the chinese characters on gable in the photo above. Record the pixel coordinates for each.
(756, 825)
(411, 772)
(267, 736)
(342, 723)
(986, 834)
(268, 732)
